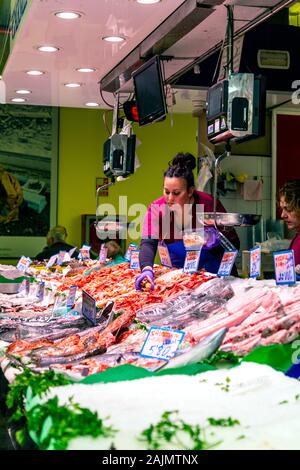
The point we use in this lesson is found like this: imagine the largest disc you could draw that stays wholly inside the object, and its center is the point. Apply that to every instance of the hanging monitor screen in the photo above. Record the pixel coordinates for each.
(149, 92)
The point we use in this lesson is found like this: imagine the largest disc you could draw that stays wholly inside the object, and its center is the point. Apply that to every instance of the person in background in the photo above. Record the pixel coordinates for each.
(289, 202)
(179, 206)
(11, 197)
(114, 252)
(56, 242)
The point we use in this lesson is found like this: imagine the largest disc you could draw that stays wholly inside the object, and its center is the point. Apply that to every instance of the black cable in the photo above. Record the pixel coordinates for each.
(103, 99)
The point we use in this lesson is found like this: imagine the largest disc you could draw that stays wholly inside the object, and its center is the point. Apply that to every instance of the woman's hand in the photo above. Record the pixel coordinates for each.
(145, 279)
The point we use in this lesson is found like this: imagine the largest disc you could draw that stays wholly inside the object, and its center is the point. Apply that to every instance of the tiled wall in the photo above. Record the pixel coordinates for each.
(256, 167)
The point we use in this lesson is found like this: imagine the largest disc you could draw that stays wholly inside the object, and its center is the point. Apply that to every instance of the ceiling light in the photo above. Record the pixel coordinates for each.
(92, 104)
(35, 72)
(86, 69)
(48, 48)
(18, 100)
(68, 15)
(23, 92)
(72, 85)
(147, 2)
(113, 38)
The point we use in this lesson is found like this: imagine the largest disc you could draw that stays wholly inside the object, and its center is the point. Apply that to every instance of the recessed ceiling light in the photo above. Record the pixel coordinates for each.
(35, 72)
(68, 15)
(23, 92)
(113, 38)
(18, 100)
(147, 2)
(48, 48)
(86, 69)
(72, 85)
(92, 104)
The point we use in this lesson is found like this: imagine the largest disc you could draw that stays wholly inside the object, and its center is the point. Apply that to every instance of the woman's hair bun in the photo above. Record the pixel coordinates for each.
(184, 160)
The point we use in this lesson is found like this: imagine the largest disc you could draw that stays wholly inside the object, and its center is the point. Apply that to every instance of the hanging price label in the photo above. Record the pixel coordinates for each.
(284, 266)
(162, 343)
(255, 261)
(227, 263)
(89, 307)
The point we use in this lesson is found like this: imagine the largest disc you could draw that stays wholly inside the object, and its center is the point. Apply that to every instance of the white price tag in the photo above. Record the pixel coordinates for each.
(103, 254)
(51, 261)
(164, 255)
(89, 307)
(23, 263)
(162, 343)
(227, 263)
(71, 296)
(134, 259)
(255, 261)
(191, 261)
(284, 266)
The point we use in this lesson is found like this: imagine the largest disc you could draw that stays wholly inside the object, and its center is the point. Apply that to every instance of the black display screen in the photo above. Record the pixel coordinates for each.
(149, 92)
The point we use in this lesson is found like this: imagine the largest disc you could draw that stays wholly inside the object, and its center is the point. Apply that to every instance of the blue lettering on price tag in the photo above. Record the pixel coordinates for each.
(23, 263)
(134, 259)
(89, 307)
(255, 261)
(191, 261)
(284, 266)
(227, 263)
(162, 343)
(40, 291)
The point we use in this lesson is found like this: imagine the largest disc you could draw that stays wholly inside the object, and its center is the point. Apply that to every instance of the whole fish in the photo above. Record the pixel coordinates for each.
(198, 353)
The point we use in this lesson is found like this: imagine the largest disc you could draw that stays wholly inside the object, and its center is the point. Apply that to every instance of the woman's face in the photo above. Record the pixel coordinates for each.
(176, 192)
(291, 217)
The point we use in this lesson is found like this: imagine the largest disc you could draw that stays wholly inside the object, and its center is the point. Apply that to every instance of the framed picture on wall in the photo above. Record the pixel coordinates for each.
(28, 178)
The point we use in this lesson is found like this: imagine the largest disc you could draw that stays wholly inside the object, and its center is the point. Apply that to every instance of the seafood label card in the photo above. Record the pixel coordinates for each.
(164, 255)
(89, 307)
(162, 343)
(103, 254)
(71, 296)
(255, 261)
(23, 263)
(51, 261)
(191, 261)
(284, 266)
(134, 259)
(227, 263)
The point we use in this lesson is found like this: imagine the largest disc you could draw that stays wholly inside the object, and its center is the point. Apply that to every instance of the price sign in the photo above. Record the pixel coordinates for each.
(255, 261)
(40, 291)
(103, 254)
(164, 255)
(71, 296)
(227, 263)
(60, 258)
(132, 246)
(284, 266)
(23, 263)
(191, 261)
(51, 261)
(162, 343)
(72, 251)
(89, 307)
(84, 252)
(25, 285)
(134, 259)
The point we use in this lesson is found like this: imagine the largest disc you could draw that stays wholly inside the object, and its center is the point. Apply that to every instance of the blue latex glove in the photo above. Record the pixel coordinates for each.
(211, 237)
(146, 275)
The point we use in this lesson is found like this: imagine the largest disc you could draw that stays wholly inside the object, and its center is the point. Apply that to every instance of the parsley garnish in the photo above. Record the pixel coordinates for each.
(39, 383)
(173, 430)
(224, 422)
(222, 356)
(57, 424)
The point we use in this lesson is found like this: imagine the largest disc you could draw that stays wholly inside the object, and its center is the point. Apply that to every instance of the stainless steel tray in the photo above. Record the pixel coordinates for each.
(231, 219)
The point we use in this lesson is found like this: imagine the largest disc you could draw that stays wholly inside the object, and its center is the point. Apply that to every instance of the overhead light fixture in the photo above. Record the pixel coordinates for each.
(86, 69)
(18, 100)
(35, 72)
(68, 15)
(91, 104)
(72, 85)
(113, 38)
(48, 48)
(147, 2)
(23, 92)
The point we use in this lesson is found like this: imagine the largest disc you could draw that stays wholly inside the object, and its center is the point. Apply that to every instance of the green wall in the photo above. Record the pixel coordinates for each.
(81, 136)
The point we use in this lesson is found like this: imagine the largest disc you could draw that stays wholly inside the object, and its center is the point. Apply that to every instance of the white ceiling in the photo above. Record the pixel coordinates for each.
(80, 45)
